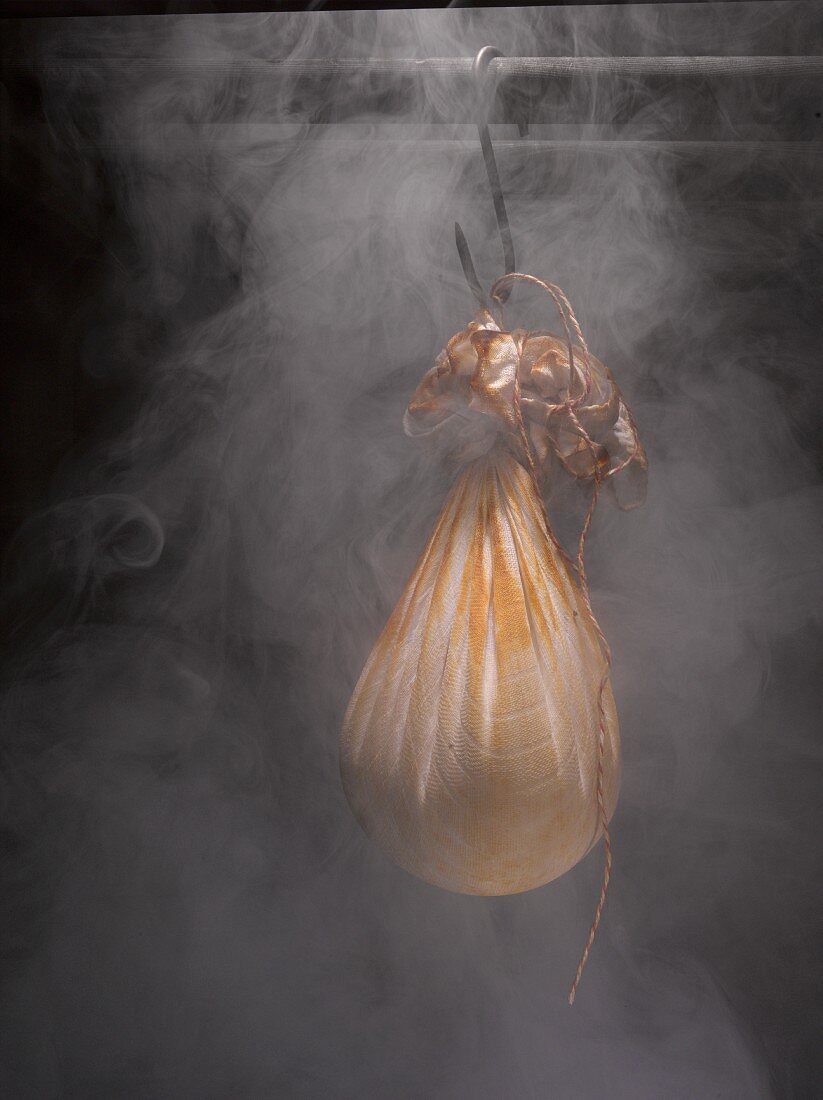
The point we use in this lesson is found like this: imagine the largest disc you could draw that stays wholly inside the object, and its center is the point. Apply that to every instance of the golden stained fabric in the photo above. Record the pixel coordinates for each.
(469, 748)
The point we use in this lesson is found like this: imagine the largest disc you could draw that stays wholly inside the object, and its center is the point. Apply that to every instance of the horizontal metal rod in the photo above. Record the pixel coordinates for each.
(261, 135)
(502, 69)
(781, 93)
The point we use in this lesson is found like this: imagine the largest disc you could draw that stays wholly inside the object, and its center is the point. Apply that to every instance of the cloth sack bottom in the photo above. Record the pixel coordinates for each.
(469, 748)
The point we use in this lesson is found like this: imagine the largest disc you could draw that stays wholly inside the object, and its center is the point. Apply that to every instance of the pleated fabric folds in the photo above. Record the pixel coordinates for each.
(468, 752)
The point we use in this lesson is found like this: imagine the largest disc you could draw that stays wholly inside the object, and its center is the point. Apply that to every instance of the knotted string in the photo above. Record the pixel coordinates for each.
(570, 405)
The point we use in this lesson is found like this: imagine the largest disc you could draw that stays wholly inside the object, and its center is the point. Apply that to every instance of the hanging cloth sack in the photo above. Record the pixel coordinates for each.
(480, 749)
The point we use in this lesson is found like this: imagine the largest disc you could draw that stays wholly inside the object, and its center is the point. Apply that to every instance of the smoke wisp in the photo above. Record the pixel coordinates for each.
(192, 910)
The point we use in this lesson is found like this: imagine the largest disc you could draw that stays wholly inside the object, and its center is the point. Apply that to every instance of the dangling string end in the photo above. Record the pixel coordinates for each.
(571, 325)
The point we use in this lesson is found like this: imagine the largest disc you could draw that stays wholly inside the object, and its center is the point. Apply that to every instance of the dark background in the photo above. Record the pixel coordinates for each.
(218, 294)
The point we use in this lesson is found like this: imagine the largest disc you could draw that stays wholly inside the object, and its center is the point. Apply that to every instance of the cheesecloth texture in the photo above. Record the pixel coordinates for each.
(469, 751)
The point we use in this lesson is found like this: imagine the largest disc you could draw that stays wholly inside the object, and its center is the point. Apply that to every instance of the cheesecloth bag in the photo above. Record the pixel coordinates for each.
(480, 749)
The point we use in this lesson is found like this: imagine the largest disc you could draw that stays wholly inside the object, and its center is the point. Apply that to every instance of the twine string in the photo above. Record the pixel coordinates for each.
(570, 405)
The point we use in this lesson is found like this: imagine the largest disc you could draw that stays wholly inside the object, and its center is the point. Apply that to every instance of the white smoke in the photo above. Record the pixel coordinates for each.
(198, 914)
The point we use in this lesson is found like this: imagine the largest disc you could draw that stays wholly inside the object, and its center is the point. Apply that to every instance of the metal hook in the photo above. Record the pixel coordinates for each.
(479, 70)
